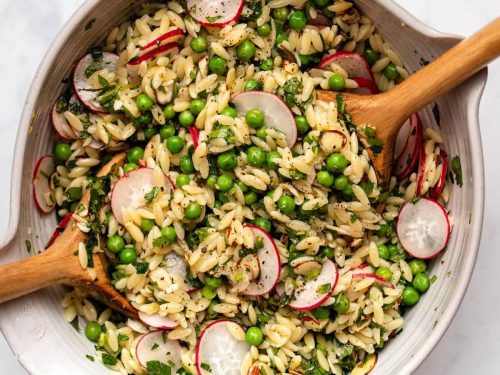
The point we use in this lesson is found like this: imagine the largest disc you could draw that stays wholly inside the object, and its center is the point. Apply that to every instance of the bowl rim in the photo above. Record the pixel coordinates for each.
(475, 93)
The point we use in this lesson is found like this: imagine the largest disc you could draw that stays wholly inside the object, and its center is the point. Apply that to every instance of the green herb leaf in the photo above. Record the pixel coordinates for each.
(213, 19)
(90, 358)
(149, 197)
(158, 368)
(74, 324)
(456, 167)
(325, 288)
(155, 346)
(102, 81)
(28, 246)
(142, 267)
(206, 367)
(109, 360)
(122, 337)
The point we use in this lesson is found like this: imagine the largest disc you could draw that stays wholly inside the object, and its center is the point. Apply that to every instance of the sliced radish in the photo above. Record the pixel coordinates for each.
(218, 351)
(364, 266)
(306, 267)
(60, 228)
(277, 115)
(61, 126)
(311, 294)
(172, 36)
(175, 263)
(353, 63)
(129, 191)
(155, 346)
(403, 137)
(378, 279)
(423, 228)
(41, 182)
(157, 321)
(83, 89)
(422, 161)
(437, 189)
(320, 20)
(405, 163)
(269, 263)
(167, 49)
(332, 140)
(195, 135)
(215, 13)
(365, 86)
(365, 367)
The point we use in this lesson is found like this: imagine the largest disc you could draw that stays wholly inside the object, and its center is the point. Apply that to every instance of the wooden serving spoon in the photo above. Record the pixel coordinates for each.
(388, 111)
(59, 265)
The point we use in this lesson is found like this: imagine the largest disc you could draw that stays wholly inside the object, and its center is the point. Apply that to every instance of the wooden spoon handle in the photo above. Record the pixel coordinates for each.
(448, 71)
(30, 274)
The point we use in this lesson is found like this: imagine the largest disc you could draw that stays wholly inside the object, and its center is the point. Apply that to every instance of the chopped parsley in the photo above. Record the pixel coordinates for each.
(433, 279)
(206, 367)
(74, 324)
(150, 196)
(102, 81)
(142, 267)
(223, 132)
(456, 167)
(109, 360)
(158, 368)
(90, 358)
(122, 337)
(213, 19)
(62, 104)
(325, 288)
(96, 63)
(155, 346)
(29, 247)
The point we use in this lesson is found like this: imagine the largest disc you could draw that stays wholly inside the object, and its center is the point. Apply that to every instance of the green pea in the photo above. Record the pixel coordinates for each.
(217, 65)
(393, 250)
(322, 312)
(246, 51)
(227, 161)
(410, 296)
(255, 118)
(208, 292)
(213, 282)
(384, 272)
(186, 118)
(342, 303)
(254, 336)
(297, 20)
(225, 182)
(181, 180)
(328, 252)
(256, 156)
(115, 243)
(417, 266)
(325, 178)
(336, 163)
(242, 186)
(336, 82)
(62, 151)
(250, 198)
(211, 182)
(270, 157)
(222, 197)
(143, 120)
(192, 211)
(384, 230)
(391, 72)
(186, 164)
(199, 44)
(196, 106)
(421, 282)
(286, 205)
(262, 133)
(264, 30)
(150, 132)
(168, 233)
(348, 190)
(175, 144)
(383, 251)
(147, 224)
(267, 64)
(74, 194)
(93, 331)
(129, 167)
(302, 124)
(371, 56)
(280, 14)
(341, 182)
(263, 224)
(169, 112)
(128, 255)
(322, 3)
(280, 38)
(144, 102)
(229, 111)
(252, 85)
(135, 154)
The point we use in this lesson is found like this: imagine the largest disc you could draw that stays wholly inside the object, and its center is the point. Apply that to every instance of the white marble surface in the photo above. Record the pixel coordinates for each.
(471, 344)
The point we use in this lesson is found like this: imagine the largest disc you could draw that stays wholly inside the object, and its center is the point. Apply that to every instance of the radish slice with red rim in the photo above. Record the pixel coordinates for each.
(155, 346)
(437, 189)
(157, 321)
(315, 292)
(60, 228)
(365, 367)
(269, 263)
(171, 36)
(423, 228)
(215, 13)
(61, 126)
(195, 135)
(353, 63)
(277, 115)
(167, 49)
(404, 136)
(129, 191)
(41, 182)
(365, 86)
(83, 89)
(406, 162)
(218, 351)
(379, 280)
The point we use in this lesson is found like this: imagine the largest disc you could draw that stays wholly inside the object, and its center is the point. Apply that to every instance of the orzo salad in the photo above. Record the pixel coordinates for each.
(247, 225)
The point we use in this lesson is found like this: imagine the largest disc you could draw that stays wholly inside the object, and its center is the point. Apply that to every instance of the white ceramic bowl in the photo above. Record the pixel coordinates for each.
(34, 325)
